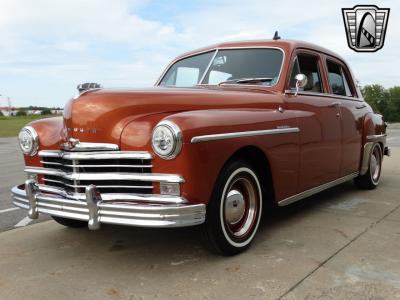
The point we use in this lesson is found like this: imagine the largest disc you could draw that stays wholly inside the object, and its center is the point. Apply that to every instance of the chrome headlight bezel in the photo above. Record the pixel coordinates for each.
(31, 133)
(176, 135)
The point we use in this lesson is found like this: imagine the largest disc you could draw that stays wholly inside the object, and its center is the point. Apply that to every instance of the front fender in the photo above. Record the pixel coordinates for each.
(200, 163)
(50, 132)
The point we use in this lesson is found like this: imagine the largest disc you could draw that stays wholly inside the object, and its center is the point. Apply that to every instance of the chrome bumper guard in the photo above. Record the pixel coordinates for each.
(95, 210)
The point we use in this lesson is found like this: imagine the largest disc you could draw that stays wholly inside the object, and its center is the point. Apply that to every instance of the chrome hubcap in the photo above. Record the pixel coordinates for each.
(235, 207)
(240, 208)
(375, 163)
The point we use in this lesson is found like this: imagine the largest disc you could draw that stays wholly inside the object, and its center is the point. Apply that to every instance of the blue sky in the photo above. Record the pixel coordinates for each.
(48, 47)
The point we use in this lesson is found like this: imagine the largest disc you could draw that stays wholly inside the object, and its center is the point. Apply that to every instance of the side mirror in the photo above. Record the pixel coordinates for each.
(301, 82)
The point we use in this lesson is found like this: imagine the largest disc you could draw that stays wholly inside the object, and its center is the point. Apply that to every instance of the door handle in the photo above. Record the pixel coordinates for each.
(334, 104)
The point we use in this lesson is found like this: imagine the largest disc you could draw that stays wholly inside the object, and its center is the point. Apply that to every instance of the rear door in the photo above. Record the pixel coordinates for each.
(319, 122)
(342, 87)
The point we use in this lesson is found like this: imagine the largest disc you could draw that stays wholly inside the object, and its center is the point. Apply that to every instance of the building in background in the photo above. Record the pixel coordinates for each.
(8, 111)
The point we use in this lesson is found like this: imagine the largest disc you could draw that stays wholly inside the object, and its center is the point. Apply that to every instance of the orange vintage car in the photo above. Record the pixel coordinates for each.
(227, 131)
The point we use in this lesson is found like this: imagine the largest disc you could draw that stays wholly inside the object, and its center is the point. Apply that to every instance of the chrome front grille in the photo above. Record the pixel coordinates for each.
(109, 171)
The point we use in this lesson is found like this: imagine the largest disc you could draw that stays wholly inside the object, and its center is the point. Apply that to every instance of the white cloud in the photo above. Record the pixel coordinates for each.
(48, 46)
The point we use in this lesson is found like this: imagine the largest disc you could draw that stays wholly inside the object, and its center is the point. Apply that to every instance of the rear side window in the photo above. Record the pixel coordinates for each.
(337, 80)
(307, 65)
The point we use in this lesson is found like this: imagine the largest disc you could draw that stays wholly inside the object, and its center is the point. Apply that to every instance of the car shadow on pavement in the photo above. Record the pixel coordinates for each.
(186, 242)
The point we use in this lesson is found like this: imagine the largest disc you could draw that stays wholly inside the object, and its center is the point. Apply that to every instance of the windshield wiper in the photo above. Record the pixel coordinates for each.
(246, 80)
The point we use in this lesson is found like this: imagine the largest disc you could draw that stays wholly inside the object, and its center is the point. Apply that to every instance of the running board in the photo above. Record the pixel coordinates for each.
(316, 189)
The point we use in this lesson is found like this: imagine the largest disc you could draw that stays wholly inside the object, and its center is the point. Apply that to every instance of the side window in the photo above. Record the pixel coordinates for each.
(307, 65)
(186, 76)
(337, 80)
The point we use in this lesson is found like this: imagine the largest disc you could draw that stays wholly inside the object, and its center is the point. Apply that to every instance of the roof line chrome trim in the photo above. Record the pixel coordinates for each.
(216, 49)
(316, 189)
(232, 135)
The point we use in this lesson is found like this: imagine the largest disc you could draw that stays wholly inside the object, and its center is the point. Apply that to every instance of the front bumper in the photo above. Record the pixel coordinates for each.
(95, 211)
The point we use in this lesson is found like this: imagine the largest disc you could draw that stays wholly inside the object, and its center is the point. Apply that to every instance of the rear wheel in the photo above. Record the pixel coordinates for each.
(70, 222)
(234, 211)
(370, 179)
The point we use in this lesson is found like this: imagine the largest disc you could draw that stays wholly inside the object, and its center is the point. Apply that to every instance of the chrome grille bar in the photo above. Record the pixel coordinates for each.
(101, 186)
(170, 178)
(97, 166)
(96, 155)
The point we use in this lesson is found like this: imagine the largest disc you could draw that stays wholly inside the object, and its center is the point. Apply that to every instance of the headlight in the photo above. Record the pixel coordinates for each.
(28, 140)
(167, 140)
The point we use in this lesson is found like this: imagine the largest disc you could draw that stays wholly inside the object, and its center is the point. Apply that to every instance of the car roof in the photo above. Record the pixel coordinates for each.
(287, 45)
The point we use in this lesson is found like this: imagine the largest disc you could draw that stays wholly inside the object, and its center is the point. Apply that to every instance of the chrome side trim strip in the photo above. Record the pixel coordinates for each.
(96, 155)
(232, 135)
(307, 93)
(171, 178)
(316, 190)
(365, 158)
(376, 136)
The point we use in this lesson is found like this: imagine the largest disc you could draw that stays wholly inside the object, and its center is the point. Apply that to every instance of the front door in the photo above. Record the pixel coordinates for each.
(319, 124)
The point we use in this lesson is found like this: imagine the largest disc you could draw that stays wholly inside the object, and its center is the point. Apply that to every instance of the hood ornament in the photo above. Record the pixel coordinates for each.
(87, 87)
(70, 144)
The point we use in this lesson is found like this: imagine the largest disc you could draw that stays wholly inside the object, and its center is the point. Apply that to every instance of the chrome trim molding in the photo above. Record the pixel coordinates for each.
(171, 178)
(232, 135)
(96, 155)
(316, 190)
(141, 198)
(95, 166)
(76, 145)
(208, 66)
(216, 49)
(306, 93)
(365, 158)
(376, 136)
(96, 211)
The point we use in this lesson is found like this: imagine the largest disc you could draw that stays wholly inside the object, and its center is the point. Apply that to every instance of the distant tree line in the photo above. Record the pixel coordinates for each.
(384, 101)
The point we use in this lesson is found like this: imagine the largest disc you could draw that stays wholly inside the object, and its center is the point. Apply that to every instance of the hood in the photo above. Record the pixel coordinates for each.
(101, 115)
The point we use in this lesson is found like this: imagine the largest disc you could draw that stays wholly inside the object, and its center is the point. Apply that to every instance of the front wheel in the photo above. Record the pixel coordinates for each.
(370, 179)
(234, 211)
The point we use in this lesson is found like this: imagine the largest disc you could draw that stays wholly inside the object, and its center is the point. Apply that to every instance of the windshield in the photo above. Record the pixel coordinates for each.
(259, 66)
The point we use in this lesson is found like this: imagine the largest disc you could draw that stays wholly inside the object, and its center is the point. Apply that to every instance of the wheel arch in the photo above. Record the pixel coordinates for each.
(258, 159)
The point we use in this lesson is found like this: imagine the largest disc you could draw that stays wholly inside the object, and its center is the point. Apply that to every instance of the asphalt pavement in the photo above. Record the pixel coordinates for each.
(11, 174)
(340, 244)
